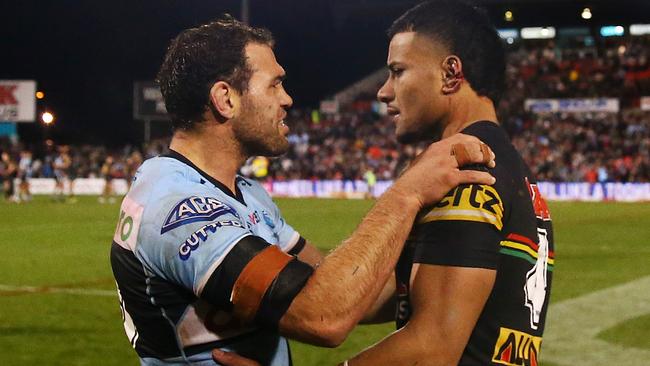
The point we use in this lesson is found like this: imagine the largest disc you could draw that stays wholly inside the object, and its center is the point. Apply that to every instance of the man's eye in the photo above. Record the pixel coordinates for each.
(396, 72)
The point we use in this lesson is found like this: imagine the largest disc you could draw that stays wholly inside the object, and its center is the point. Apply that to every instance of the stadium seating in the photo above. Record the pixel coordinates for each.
(560, 146)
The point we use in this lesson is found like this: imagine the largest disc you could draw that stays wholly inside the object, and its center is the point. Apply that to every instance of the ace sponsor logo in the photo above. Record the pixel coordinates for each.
(192, 242)
(195, 209)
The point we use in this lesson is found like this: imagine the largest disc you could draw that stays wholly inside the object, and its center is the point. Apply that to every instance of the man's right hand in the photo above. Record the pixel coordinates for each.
(231, 359)
(436, 171)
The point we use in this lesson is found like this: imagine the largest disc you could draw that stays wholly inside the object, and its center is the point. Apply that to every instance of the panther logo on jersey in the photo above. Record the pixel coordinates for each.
(195, 209)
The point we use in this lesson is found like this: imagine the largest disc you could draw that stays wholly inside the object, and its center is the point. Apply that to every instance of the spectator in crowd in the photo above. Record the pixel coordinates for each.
(107, 174)
(24, 173)
(9, 172)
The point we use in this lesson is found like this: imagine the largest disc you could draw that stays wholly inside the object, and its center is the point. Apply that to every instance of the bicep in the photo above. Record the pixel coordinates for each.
(257, 281)
(447, 302)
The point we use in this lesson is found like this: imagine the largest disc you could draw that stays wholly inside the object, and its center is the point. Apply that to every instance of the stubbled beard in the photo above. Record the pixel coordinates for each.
(259, 146)
(430, 132)
(257, 139)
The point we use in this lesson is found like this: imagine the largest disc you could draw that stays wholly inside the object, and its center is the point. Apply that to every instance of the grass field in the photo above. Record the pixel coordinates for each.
(58, 306)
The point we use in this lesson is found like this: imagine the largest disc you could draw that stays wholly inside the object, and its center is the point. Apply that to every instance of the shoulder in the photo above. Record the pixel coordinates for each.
(250, 185)
(160, 181)
(481, 203)
(172, 201)
(255, 189)
(498, 140)
(491, 134)
(510, 168)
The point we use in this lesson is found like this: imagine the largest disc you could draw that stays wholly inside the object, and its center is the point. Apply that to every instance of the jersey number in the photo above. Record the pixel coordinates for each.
(125, 226)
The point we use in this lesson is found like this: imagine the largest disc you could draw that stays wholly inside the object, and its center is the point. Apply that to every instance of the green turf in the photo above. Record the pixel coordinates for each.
(66, 245)
(632, 333)
(599, 245)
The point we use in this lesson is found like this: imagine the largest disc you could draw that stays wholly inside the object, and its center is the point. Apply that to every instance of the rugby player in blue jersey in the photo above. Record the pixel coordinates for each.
(203, 258)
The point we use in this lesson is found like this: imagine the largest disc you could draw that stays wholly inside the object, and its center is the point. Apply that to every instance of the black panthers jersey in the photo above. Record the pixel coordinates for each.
(505, 227)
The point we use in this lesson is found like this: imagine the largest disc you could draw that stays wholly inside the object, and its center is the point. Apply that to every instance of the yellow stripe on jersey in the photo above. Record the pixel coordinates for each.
(479, 203)
(524, 248)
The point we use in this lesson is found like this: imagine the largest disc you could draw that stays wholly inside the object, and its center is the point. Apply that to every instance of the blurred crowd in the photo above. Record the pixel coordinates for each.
(359, 139)
(591, 147)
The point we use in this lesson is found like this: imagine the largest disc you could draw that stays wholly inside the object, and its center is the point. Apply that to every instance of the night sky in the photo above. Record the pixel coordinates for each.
(85, 55)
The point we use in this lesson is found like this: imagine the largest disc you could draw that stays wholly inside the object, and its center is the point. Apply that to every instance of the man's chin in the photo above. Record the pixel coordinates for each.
(269, 150)
(277, 152)
(423, 133)
(409, 137)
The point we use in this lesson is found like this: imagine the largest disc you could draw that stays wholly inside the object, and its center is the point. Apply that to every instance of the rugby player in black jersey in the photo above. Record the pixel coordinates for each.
(474, 279)
(473, 282)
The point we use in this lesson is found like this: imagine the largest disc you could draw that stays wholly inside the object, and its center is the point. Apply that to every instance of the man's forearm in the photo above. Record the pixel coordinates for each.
(351, 277)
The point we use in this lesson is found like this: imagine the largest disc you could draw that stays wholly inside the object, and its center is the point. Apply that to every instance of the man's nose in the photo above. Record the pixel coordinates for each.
(286, 101)
(385, 93)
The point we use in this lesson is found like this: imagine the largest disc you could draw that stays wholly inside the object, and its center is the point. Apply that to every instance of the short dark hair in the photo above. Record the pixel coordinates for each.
(467, 32)
(199, 57)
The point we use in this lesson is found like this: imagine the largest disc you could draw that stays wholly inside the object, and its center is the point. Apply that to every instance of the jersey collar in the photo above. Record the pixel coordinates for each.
(236, 195)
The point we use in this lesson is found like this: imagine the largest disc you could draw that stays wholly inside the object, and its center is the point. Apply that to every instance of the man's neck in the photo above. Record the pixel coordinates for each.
(467, 109)
(211, 150)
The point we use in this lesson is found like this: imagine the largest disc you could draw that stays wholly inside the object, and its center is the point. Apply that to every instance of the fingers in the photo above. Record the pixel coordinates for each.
(488, 156)
(460, 138)
(476, 177)
(231, 359)
(473, 153)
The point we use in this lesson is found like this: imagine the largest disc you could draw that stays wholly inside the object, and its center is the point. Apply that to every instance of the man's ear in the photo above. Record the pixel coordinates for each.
(224, 101)
(452, 78)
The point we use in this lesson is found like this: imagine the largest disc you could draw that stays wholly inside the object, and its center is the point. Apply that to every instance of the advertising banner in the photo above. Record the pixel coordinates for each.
(358, 189)
(574, 191)
(610, 105)
(17, 101)
(80, 186)
(329, 106)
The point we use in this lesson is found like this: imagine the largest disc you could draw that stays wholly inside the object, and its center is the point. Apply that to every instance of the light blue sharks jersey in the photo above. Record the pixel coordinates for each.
(176, 227)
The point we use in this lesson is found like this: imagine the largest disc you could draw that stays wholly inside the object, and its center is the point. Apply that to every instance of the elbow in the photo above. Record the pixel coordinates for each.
(324, 332)
(332, 333)
(336, 335)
